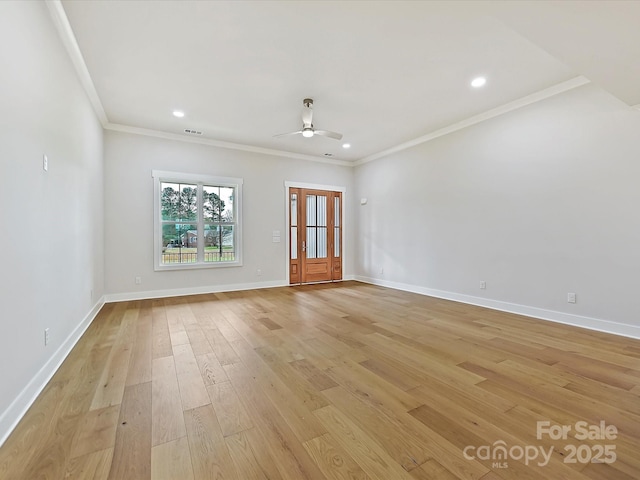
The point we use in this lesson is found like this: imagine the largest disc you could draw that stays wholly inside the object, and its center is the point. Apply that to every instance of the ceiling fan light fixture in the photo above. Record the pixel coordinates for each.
(307, 132)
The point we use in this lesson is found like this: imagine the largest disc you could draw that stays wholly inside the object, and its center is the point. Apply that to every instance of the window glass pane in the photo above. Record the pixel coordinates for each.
(211, 204)
(336, 242)
(169, 200)
(322, 242)
(311, 242)
(336, 211)
(188, 202)
(294, 243)
(322, 211)
(294, 209)
(227, 204)
(179, 243)
(219, 243)
(311, 210)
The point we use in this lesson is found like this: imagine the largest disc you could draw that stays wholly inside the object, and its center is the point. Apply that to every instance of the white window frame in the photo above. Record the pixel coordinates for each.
(159, 177)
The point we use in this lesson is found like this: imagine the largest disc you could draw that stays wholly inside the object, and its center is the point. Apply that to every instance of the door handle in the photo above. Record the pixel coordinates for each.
(304, 246)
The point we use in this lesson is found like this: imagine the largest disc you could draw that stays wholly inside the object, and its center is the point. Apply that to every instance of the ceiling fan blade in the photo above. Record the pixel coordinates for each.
(290, 133)
(326, 133)
(307, 114)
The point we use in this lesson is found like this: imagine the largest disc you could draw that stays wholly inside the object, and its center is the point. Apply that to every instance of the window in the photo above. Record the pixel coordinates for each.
(197, 221)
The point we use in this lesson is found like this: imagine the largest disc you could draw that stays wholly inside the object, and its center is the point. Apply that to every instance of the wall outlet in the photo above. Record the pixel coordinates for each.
(483, 284)
(259, 272)
(571, 297)
(46, 336)
(381, 271)
(138, 280)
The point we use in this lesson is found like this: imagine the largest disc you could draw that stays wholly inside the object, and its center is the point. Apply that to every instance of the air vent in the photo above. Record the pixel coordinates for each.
(192, 132)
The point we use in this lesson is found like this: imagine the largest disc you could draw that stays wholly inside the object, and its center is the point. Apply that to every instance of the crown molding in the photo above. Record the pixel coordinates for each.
(221, 144)
(481, 117)
(61, 22)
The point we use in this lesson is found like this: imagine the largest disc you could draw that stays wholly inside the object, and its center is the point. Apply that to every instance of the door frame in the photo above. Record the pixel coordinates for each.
(314, 186)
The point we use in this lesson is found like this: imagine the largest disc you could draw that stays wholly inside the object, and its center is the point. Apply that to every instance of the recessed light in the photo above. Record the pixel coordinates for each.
(478, 82)
(346, 145)
(178, 113)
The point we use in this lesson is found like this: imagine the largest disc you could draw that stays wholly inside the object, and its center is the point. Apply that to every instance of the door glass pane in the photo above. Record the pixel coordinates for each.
(294, 243)
(311, 210)
(311, 243)
(336, 242)
(294, 209)
(336, 210)
(322, 211)
(322, 242)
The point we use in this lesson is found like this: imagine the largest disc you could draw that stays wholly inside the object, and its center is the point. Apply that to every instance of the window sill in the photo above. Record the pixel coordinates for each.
(196, 266)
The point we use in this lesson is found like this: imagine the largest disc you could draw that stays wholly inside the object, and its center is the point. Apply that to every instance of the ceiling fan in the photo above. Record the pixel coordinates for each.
(307, 127)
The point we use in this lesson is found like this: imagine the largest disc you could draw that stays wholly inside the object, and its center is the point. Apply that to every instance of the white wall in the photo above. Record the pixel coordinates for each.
(51, 270)
(129, 160)
(538, 203)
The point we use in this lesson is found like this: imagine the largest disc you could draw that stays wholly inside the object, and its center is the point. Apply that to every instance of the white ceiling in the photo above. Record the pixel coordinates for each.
(381, 73)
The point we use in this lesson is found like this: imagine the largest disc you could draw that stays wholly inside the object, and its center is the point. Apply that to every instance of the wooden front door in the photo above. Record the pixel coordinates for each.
(315, 233)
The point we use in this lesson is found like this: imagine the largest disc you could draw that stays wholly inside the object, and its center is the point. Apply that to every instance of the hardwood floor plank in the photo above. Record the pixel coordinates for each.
(209, 454)
(369, 455)
(192, 389)
(168, 421)
(431, 469)
(112, 382)
(243, 457)
(171, 461)
(401, 445)
(296, 383)
(132, 449)
(210, 369)
(97, 431)
(231, 415)
(92, 466)
(142, 350)
(332, 459)
(316, 377)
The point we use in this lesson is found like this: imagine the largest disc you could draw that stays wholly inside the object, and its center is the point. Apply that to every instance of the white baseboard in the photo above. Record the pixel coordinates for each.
(180, 292)
(14, 413)
(600, 325)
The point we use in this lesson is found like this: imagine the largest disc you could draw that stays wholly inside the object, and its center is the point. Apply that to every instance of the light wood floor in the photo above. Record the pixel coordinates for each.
(342, 381)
